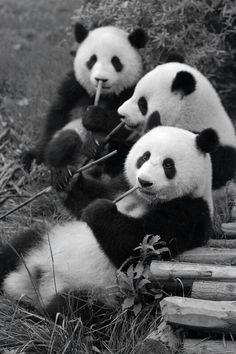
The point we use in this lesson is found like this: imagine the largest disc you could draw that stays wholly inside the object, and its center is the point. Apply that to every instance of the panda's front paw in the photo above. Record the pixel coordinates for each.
(61, 178)
(98, 210)
(63, 149)
(90, 147)
(95, 119)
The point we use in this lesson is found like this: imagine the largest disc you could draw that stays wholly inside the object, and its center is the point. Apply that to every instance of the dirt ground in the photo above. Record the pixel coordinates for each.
(35, 41)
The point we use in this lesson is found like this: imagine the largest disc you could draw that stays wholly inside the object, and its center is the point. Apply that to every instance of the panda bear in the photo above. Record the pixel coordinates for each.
(172, 170)
(106, 54)
(176, 94)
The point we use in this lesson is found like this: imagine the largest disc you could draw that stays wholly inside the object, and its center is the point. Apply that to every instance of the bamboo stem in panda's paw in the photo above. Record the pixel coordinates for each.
(98, 92)
(49, 189)
(125, 194)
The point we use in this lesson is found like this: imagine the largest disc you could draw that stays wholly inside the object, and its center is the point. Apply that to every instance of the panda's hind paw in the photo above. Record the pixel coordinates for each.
(27, 158)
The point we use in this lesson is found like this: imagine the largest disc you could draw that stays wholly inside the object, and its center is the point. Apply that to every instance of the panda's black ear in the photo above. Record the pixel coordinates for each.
(138, 38)
(175, 57)
(207, 140)
(80, 32)
(154, 120)
(184, 82)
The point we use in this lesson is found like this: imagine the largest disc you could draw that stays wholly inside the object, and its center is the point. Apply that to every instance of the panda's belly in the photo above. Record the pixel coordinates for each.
(78, 127)
(132, 206)
(77, 263)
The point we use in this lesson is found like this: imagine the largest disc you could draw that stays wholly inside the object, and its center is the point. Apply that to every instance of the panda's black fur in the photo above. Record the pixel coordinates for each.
(105, 234)
(60, 150)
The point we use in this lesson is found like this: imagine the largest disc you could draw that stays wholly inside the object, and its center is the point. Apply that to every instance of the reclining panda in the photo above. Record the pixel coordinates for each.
(172, 169)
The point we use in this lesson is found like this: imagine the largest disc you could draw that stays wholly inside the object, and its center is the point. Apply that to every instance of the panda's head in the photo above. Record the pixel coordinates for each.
(173, 94)
(168, 163)
(108, 54)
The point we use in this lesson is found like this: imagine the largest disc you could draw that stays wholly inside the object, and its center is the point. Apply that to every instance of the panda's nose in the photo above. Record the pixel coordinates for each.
(100, 79)
(144, 183)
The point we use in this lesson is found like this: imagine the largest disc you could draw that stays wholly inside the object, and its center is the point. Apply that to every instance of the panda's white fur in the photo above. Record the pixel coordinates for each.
(199, 110)
(107, 42)
(77, 263)
(71, 257)
(194, 172)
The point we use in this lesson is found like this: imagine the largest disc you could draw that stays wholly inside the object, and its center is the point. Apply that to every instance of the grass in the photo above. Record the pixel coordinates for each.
(36, 38)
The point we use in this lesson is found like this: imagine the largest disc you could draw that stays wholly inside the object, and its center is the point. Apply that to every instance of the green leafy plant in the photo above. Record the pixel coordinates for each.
(135, 287)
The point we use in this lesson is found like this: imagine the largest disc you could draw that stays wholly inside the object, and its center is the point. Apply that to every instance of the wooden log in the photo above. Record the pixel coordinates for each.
(201, 346)
(229, 229)
(201, 314)
(214, 290)
(165, 338)
(221, 243)
(209, 255)
(169, 271)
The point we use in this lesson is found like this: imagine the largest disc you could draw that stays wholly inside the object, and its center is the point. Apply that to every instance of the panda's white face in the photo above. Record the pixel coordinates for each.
(106, 54)
(166, 164)
(175, 94)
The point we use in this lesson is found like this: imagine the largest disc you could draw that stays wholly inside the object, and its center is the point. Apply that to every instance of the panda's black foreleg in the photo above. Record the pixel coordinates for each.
(68, 96)
(11, 253)
(63, 149)
(84, 189)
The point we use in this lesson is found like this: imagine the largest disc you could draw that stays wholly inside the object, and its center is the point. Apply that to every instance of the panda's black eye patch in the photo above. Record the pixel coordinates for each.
(169, 168)
(142, 159)
(90, 63)
(117, 64)
(142, 105)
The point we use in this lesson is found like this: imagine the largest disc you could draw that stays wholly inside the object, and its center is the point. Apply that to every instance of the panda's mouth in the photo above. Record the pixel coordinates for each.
(144, 191)
(104, 87)
(130, 126)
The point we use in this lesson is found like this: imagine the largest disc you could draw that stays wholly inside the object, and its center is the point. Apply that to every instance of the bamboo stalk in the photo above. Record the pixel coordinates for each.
(49, 189)
(95, 162)
(44, 191)
(98, 92)
(125, 194)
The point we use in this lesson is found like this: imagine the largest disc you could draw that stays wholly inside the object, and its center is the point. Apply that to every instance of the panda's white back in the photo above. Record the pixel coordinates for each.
(85, 268)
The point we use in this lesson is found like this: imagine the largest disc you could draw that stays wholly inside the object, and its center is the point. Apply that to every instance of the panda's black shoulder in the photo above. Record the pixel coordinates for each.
(123, 96)
(70, 84)
(184, 206)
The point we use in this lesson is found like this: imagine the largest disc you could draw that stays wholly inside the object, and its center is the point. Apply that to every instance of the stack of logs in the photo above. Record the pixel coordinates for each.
(206, 279)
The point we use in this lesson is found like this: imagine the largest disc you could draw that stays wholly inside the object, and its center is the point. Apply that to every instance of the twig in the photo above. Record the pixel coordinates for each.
(90, 164)
(49, 189)
(46, 190)
(98, 92)
(113, 132)
(125, 194)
